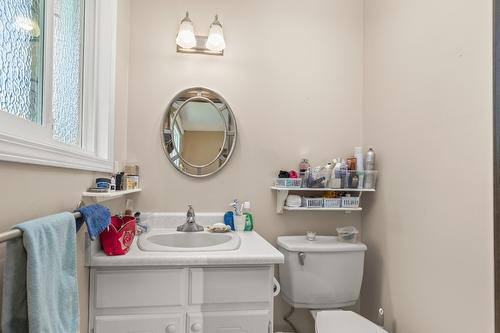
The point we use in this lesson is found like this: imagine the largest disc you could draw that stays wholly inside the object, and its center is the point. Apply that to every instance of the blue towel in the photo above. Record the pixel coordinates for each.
(40, 291)
(97, 218)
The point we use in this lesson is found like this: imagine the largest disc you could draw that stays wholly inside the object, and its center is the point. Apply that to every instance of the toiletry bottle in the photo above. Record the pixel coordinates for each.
(370, 159)
(351, 163)
(248, 216)
(307, 178)
(351, 166)
(370, 167)
(335, 180)
(119, 181)
(303, 166)
(112, 185)
(354, 181)
(344, 174)
(229, 219)
(328, 174)
(358, 154)
(129, 207)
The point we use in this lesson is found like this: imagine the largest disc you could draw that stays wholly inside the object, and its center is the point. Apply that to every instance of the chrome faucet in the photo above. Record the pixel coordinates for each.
(190, 225)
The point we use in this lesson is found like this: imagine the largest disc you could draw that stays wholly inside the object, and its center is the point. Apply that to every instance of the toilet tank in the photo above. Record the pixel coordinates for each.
(320, 274)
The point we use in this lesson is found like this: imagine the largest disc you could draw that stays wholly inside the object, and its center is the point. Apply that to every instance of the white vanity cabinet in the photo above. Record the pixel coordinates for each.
(233, 299)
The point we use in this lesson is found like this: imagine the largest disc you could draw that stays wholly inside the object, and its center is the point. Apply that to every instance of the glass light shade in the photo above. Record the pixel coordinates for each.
(185, 37)
(215, 41)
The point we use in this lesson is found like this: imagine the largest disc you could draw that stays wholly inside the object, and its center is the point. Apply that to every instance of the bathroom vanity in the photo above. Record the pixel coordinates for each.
(183, 291)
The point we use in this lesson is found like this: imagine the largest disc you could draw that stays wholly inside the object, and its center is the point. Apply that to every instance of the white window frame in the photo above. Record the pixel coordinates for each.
(26, 142)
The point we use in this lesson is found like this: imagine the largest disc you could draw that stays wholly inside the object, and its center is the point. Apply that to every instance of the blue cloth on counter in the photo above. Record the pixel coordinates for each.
(97, 218)
(40, 292)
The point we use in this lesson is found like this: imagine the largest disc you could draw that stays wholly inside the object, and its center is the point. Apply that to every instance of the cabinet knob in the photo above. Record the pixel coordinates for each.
(171, 329)
(196, 327)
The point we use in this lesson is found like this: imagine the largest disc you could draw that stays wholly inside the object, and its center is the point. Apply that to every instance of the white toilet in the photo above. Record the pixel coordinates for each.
(324, 275)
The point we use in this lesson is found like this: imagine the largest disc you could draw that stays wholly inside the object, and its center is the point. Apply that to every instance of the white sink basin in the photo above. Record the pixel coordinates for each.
(175, 241)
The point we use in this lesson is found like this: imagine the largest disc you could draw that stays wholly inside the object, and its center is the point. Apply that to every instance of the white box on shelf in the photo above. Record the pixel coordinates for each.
(332, 203)
(288, 182)
(312, 202)
(350, 202)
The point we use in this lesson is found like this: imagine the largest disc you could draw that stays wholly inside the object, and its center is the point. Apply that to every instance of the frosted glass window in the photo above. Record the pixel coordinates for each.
(21, 58)
(67, 71)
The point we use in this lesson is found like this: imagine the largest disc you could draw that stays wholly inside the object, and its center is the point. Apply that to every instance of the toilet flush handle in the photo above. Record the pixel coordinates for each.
(302, 258)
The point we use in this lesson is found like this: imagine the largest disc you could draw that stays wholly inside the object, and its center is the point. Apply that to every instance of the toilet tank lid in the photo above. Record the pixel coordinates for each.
(345, 322)
(320, 244)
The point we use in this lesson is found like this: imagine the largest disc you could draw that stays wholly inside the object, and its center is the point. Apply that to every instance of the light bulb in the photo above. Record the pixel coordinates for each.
(28, 25)
(215, 41)
(185, 37)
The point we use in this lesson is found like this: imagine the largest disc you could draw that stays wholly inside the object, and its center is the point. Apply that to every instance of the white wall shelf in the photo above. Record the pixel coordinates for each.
(304, 189)
(347, 210)
(282, 194)
(100, 197)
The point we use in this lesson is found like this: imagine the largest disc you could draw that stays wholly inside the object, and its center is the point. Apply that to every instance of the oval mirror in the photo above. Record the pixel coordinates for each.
(198, 132)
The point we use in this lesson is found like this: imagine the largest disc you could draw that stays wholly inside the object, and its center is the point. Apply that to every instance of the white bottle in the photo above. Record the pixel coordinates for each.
(358, 154)
(112, 185)
(327, 173)
(335, 179)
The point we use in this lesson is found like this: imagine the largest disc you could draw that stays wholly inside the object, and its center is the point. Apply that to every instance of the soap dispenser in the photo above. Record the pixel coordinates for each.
(248, 216)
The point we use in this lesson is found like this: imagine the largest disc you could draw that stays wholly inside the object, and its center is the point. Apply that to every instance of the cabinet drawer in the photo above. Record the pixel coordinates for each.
(257, 321)
(140, 288)
(168, 323)
(231, 285)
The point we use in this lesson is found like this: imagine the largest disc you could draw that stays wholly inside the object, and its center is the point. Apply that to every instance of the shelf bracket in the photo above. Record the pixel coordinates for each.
(281, 196)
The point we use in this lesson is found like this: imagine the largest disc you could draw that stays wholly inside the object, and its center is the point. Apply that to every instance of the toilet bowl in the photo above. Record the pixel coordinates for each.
(324, 275)
(338, 321)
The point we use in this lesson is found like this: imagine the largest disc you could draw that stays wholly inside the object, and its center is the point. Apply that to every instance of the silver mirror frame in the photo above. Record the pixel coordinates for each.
(227, 131)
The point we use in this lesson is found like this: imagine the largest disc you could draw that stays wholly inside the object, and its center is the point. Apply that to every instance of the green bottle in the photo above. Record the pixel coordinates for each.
(248, 216)
(248, 222)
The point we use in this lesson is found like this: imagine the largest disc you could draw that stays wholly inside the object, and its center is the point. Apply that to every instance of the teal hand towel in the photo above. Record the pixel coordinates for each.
(40, 291)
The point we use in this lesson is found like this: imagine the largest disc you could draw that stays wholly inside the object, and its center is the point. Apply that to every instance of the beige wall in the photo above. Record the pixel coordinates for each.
(428, 113)
(32, 191)
(292, 74)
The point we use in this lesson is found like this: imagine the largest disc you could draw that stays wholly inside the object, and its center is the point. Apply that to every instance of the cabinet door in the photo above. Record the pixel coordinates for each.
(168, 323)
(257, 321)
(209, 285)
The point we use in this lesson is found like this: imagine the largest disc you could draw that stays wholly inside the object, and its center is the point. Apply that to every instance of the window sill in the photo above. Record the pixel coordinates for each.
(16, 149)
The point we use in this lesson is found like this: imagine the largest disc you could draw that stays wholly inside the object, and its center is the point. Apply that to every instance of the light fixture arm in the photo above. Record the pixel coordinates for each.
(186, 18)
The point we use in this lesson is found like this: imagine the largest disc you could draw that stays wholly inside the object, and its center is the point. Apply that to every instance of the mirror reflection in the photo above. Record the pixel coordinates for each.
(199, 132)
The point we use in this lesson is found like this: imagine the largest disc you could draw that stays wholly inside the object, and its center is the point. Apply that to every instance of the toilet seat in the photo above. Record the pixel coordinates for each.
(339, 321)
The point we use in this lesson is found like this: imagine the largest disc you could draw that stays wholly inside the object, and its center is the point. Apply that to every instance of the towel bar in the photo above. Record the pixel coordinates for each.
(15, 233)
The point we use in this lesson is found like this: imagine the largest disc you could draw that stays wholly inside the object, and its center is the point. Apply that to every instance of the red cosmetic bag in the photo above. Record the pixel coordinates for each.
(118, 236)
